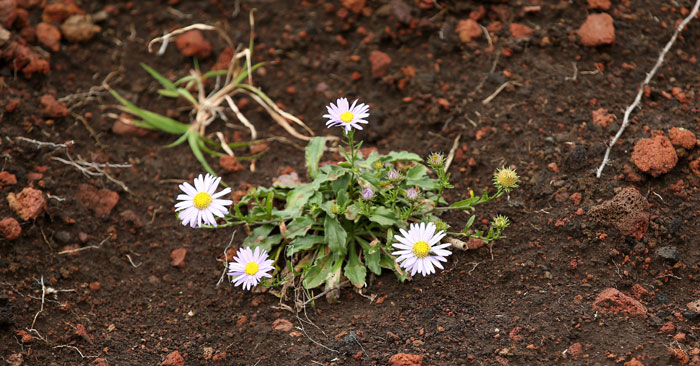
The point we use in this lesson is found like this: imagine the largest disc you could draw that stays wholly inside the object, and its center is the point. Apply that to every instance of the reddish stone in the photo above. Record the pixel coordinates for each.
(575, 350)
(683, 138)
(602, 118)
(680, 355)
(99, 362)
(468, 30)
(193, 44)
(177, 257)
(475, 243)
(639, 291)
(598, 30)
(599, 4)
(224, 60)
(655, 156)
(51, 107)
(668, 327)
(49, 36)
(123, 126)
(100, 201)
(576, 198)
(95, 286)
(8, 12)
(355, 6)
(553, 167)
(380, 62)
(520, 31)
(478, 13)
(515, 335)
(633, 362)
(28, 204)
(23, 58)
(695, 166)
(11, 105)
(282, 324)
(79, 28)
(219, 357)
(59, 11)
(10, 229)
(406, 359)
(230, 163)
(614, 301)
(628, 211)
(173, 359)
(7, 178)
(82, 333)
(24, 336)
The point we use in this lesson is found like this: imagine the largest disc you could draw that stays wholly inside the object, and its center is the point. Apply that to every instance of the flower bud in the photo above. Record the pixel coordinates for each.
(436, 160)
(412, 194)
(506, 178)
(367, 194)
(500, 222)
(393, 175)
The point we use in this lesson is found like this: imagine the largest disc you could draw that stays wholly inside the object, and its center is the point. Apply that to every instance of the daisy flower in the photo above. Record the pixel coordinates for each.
(345, 115)
(419, 249)
(200, 203)
(249, 267)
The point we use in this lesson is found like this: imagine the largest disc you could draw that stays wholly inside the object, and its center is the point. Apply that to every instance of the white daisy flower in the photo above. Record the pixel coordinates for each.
(200, 203)
(419, 249)
(249, 267)
(347, 116)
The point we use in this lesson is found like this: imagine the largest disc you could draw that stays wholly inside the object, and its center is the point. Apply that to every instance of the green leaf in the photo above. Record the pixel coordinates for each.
(342, 183)
(372, 255)
(303, 243)
(261, 238)
(192, 139)
(314, 151)
(168, 93)
(401, 156)
(355, 271)
(336, 237)
(156, 120)
(167, 84)
(297, 199)
(352, 212)
(342, 198)
(299, 226)
(179, 141)
(318, 272)
(383, 216)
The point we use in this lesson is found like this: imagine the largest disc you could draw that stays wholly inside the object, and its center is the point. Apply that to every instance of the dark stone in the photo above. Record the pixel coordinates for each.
(662, 298)
(62, 236)
(576, 159)
(6, 317)
(690, 315)
(669, 253)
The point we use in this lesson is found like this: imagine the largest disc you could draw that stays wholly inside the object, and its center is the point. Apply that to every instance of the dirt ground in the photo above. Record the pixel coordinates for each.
(119, 301)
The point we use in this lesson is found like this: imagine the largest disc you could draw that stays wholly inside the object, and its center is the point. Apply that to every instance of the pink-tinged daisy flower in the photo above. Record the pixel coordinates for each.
(345, 115)
(420, 250)
(249, 267)
(200, 203)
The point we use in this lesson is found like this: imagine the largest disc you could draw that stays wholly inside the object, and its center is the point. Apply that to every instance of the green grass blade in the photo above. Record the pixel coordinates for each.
(193, 140)
(186, 94)
(179, 140)
(167, 84)
(156, 120)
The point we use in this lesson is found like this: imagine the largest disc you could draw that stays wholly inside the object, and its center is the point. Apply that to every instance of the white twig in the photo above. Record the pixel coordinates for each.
(41, 144)
(86, 247)
(226, 260)
(75, 348)
(451, 154)
(132, 262)
(166, 37)
(94, 169)
(43, 296)
(640, 92)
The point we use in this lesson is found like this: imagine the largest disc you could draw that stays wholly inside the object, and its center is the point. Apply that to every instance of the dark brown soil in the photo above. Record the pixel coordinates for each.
(527, 306)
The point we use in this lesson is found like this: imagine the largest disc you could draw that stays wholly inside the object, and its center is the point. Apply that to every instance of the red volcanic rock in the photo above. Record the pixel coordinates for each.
(28, 204)
(193, 44)
(50, 107)
(628, 211)
(614, 301)
(406, 359)
(655, 156)
(10, 229)
(177, 257)
(49, 36)
(8, 12)
(682, 137)
(520, 31)
(468, 30)
(380, 62)
(599, 4)
(597, 30)
(100, 201)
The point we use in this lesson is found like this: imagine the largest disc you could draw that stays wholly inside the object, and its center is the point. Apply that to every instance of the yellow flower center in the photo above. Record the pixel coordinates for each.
(346, 117)
(421, 249)
(251, 268)
(202, 200)
(507, 178)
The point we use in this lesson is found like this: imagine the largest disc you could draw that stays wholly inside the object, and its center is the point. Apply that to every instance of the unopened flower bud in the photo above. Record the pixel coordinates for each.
(506, 178)
(367, 194)
(393, 174)
(436, 160)
(411, 194)
(500, 222)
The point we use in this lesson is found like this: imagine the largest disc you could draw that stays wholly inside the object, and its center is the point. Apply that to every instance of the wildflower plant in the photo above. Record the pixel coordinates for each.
(208, 106)
(364, 214)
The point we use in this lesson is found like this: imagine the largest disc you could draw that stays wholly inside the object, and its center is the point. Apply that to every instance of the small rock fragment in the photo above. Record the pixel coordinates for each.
(173, 359)
(177, 257)
(520, 31)
(355, 6)
(683, 138)
(79, 28)
(10, 229)
(655, 156)
(575, 350)
(602, 118)
(50, 107)
(81, 331)
(670, 253)
(8, 12)
(230, 163)
(627, 211)
(468, 30)
(599, 4)
(59, 11)
(28, 204)
(406, 359)
(193, 44)
(49, 36)
(597, 30)
(99, 362)
(282, 325)
(123, 126)
(101, 201)
(7, 178)
(614, 301)
(380, 62)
